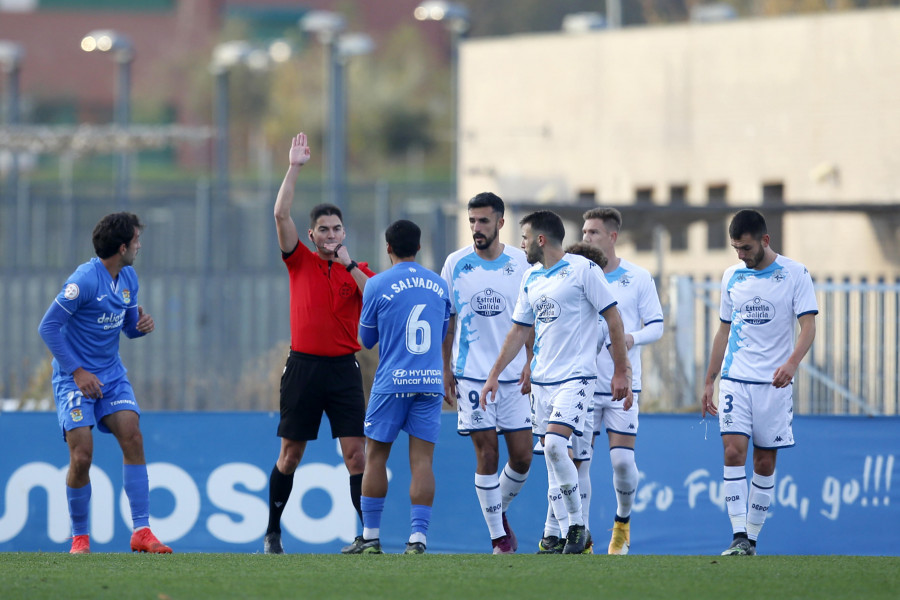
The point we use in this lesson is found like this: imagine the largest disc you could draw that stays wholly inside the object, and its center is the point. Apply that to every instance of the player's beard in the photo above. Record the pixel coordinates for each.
(534, 253)
(482, 241)
(754, 260)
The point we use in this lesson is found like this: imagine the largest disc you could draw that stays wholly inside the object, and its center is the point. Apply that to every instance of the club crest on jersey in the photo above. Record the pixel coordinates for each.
(546, 309)
(126, 296)
(510, 268)
(488, 303)
(564, 272)
(624, 280)
(71, 291)
(757, 311)
(76, 415)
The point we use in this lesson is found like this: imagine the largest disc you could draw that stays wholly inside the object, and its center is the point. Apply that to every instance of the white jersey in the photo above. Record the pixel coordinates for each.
(762, 307)
(638, 303)
(562, 303)
(483, 294)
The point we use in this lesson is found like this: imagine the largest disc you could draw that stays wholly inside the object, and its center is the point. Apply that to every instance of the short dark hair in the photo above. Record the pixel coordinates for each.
(611, 217)
(488, 199)
(404, 238)
(548, 223)
(323, 209)
(747, 221)
(589, 252)
(112, 231)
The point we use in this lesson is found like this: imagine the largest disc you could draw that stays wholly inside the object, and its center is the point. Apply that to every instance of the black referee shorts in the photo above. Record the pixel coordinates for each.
(311, 385)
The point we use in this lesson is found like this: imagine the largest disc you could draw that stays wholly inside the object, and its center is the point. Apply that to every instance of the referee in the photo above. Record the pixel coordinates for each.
(321, 374)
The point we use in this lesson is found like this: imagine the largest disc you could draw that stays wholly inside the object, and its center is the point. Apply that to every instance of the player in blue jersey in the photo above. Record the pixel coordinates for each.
(560, 297)
(405, 311)
(484, 281)
(81, 328)
(642, 317)
(755, 352)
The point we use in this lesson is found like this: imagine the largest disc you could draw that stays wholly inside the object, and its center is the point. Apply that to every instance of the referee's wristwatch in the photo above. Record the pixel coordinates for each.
(353, 264)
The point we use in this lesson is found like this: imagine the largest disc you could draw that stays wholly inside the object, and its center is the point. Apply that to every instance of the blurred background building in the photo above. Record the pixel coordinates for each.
(677, 112)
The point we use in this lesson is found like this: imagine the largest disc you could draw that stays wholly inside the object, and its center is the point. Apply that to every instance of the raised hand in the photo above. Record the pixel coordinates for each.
(299, 153)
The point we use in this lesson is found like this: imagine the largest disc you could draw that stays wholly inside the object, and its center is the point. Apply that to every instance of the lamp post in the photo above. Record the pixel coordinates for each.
(11, 55)
(225, 56)
(328, 26)
(455, 18)
(107, 40)
(348, 45)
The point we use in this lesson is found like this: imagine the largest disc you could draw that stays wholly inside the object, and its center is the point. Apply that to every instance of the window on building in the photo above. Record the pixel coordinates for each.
(643, 236)
(773, 198)
(717, 228)
(587, 195)
(678, 237)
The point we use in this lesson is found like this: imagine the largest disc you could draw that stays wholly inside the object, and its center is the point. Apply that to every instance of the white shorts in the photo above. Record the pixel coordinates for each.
(758, 410)
(511, 411)
(612, 416)
(563, 403)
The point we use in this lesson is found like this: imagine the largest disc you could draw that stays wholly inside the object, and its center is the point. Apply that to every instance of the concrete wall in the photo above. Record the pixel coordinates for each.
(811, 102)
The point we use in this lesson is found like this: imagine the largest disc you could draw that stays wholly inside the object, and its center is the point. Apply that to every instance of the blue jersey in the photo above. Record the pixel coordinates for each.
(406, 310)
(98, 308)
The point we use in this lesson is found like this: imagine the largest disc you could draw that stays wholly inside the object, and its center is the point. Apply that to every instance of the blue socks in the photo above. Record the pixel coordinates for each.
(137, 488)
(79, 501)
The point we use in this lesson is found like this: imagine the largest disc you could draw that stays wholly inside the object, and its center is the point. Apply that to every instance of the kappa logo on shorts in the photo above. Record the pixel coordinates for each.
(76, 415)
(557, 414)
(579, 406)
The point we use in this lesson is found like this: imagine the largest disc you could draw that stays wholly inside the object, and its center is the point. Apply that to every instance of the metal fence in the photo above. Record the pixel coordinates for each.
(211, 275)
(853, 366)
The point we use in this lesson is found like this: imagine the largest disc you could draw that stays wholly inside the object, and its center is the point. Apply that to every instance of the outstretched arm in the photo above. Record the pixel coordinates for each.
(284, 224)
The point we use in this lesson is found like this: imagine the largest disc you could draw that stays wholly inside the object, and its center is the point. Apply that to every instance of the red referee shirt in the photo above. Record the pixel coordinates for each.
(325, 304)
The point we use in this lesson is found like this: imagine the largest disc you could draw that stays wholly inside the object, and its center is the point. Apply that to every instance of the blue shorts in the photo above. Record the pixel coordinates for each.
(74, 410)
(418, 414)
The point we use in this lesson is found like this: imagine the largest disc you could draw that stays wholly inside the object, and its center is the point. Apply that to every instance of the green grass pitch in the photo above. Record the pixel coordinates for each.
(457, 576)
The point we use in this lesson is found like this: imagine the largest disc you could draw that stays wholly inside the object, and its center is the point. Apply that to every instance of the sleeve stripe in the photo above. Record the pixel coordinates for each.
(809, 312)
(62, 307)
(652, 322)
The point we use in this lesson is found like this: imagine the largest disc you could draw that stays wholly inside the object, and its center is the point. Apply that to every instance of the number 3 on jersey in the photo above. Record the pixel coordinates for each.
(418, 332)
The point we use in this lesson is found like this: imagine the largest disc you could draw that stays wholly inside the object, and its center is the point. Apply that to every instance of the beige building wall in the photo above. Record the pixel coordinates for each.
(810, 102)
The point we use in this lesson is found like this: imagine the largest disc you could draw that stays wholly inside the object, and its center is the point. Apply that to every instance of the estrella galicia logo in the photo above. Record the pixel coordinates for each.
(399, 373)
(757, 311)
(488, 303)
(547, 309)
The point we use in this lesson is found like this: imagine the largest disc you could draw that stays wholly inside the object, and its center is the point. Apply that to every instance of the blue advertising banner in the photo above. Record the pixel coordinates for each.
(836, 491)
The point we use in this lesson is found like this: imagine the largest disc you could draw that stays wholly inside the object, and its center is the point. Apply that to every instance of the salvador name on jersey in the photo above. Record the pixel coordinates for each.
(562, 303)
(483, 295)
(97, 305)
(638, 303)
(407, 307)
(762, 307)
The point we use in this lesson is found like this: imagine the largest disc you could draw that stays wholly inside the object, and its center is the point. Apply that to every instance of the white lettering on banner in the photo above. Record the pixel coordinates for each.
(878, 471)
(177, 482)
(648, 491)
(53, 481)
(221, 489)
(223, 492)
(787, 496)
(696, 487)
